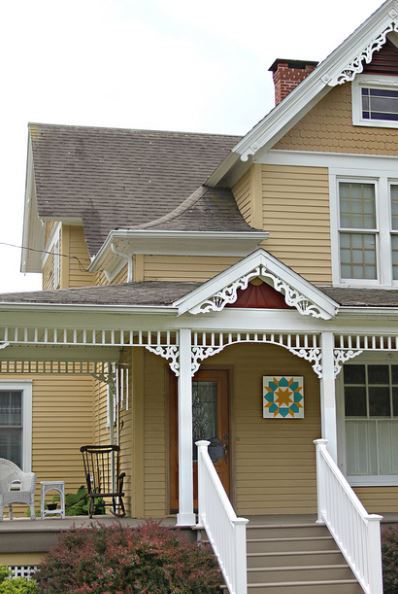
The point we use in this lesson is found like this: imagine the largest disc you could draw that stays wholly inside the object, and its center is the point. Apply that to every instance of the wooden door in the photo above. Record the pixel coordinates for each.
(210, 420)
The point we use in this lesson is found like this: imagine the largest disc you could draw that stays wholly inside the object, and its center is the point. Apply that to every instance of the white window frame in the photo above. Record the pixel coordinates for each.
(364, 480)
(383, 181)
(25, 386)
(374, 82)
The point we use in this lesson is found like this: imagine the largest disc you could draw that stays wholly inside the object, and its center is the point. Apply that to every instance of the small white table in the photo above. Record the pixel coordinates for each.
(46, 487)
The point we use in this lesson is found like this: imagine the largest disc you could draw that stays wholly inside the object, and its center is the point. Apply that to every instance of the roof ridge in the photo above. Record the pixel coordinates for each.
(138, 130)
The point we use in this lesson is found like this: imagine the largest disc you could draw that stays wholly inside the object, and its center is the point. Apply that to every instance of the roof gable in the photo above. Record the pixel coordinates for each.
(341, 66)
(223, 289)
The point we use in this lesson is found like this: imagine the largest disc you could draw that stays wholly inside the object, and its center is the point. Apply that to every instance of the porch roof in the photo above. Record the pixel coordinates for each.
(362, 297)
(166, 293)
(149, 293)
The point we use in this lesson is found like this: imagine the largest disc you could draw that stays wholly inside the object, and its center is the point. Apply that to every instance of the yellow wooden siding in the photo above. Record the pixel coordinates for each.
(243, 193)
(328, 128)
(155, 431)
(48, 274)
(273, 460)
(297, 216)
(79, 259)
(185, 268)
(48, 230)
(378, 499)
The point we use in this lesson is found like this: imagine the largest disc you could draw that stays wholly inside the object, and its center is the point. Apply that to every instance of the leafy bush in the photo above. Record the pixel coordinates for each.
(76, 504)
(4, 573)
(18, 586)
(118, 560)
(390, 560)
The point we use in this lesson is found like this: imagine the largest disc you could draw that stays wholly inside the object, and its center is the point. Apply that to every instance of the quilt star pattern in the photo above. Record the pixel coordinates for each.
(283, 397)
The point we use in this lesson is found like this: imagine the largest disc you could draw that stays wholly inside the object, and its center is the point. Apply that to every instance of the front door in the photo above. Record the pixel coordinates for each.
(210, 420)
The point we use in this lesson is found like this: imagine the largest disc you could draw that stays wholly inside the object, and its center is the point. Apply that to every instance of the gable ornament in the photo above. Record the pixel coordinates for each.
(350, 70)
(229, 294)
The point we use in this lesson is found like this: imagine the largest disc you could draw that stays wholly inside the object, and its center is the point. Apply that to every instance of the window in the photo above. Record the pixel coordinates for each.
(358, 229)
(375, 101)
(365, 240)
(16, 423)
(371, 423)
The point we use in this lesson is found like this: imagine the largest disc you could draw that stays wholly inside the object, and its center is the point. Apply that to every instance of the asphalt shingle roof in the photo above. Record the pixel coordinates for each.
(117, 178)
(156, 293)
(363, 297)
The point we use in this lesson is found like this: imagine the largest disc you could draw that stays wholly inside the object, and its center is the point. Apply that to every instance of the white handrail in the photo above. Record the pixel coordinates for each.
(356, 532)
(226, 532)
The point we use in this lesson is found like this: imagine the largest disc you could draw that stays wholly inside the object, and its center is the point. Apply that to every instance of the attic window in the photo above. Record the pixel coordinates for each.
(375, 101)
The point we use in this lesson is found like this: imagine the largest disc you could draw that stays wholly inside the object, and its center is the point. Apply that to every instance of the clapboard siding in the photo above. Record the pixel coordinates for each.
(79, 260)
(185, 268)
(296, 215)
(243, 193)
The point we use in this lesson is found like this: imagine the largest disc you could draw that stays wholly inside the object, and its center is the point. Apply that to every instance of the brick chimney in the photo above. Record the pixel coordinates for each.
(288, 74)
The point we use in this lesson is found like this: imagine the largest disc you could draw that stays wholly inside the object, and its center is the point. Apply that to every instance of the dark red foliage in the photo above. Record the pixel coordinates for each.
(150, 559)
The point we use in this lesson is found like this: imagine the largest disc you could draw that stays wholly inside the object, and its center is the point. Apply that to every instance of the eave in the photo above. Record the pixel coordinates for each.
(125, 243)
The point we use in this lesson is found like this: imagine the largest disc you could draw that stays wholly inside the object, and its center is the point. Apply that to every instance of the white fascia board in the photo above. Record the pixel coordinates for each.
(316, 85)
(188, 243)
(237, 271)
(84, 308)
(342, 161)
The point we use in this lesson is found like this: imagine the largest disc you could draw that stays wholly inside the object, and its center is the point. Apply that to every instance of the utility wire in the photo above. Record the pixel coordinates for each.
(21, 247)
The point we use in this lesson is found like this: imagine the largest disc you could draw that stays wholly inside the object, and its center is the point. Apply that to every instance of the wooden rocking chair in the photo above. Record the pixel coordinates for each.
(103, 477)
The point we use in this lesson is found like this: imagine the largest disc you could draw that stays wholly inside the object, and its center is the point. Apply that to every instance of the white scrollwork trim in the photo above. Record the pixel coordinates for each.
(341, 356)
(199, 353)
(170, 353)
(292, 296)
(313, 355)
(349, 72)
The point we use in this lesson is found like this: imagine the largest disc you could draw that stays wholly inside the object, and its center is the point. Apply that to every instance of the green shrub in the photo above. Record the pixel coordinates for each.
(76, 504)
(390, 560)
(4, 573)
(18, 586)
(119, 560)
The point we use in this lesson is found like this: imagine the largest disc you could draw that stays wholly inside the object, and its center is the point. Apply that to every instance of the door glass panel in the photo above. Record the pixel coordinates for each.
(204, 412)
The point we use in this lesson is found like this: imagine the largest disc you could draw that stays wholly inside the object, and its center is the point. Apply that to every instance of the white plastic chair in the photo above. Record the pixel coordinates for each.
(16, 486)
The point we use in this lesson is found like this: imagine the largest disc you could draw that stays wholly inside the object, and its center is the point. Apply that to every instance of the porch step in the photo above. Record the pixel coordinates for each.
(295, 558)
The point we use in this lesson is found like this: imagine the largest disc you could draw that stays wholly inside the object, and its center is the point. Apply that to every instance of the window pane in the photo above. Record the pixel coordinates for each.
(357, 206)
(378, 374)
(204, 412)
(361, 444)
(10, 408)
(354, 374)
(395, 403)
(355, 401)
(394, 256)
(379, 402)
(394, 207)
(394, 374)
(380, 104)
(387, 433)
(11, 445)
(358, 255)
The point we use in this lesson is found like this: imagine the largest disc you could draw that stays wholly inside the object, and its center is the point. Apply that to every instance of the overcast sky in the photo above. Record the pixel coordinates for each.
(189, 65)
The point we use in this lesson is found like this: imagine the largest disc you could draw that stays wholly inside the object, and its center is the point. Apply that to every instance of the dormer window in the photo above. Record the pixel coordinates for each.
(375, 101)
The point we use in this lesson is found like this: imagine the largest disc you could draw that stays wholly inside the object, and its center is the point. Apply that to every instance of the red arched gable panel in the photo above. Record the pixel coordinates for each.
(260, 296)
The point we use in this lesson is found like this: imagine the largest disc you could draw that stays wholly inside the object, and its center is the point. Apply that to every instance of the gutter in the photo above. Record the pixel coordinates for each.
(84, 308)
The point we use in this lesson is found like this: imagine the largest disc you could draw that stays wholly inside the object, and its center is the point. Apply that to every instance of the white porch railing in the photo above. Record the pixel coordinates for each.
(356, 532)
(226, 532)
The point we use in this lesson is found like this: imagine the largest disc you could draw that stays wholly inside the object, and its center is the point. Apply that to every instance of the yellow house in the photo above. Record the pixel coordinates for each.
(240, 290)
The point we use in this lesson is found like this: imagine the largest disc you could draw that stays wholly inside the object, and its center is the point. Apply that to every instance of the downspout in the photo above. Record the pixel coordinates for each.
(129, 260)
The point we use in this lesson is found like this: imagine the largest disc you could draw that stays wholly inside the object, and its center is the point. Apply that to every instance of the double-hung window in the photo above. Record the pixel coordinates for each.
(366, 237)
(16, 422)
(371, 423)
(358, 230)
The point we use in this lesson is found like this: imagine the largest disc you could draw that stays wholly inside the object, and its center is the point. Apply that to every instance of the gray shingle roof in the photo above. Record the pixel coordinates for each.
(117, 178)
(147, 293)
(363, 297)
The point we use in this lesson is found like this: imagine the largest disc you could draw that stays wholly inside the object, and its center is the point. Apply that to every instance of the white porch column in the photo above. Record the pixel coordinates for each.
(185, 516)
(328, 394)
